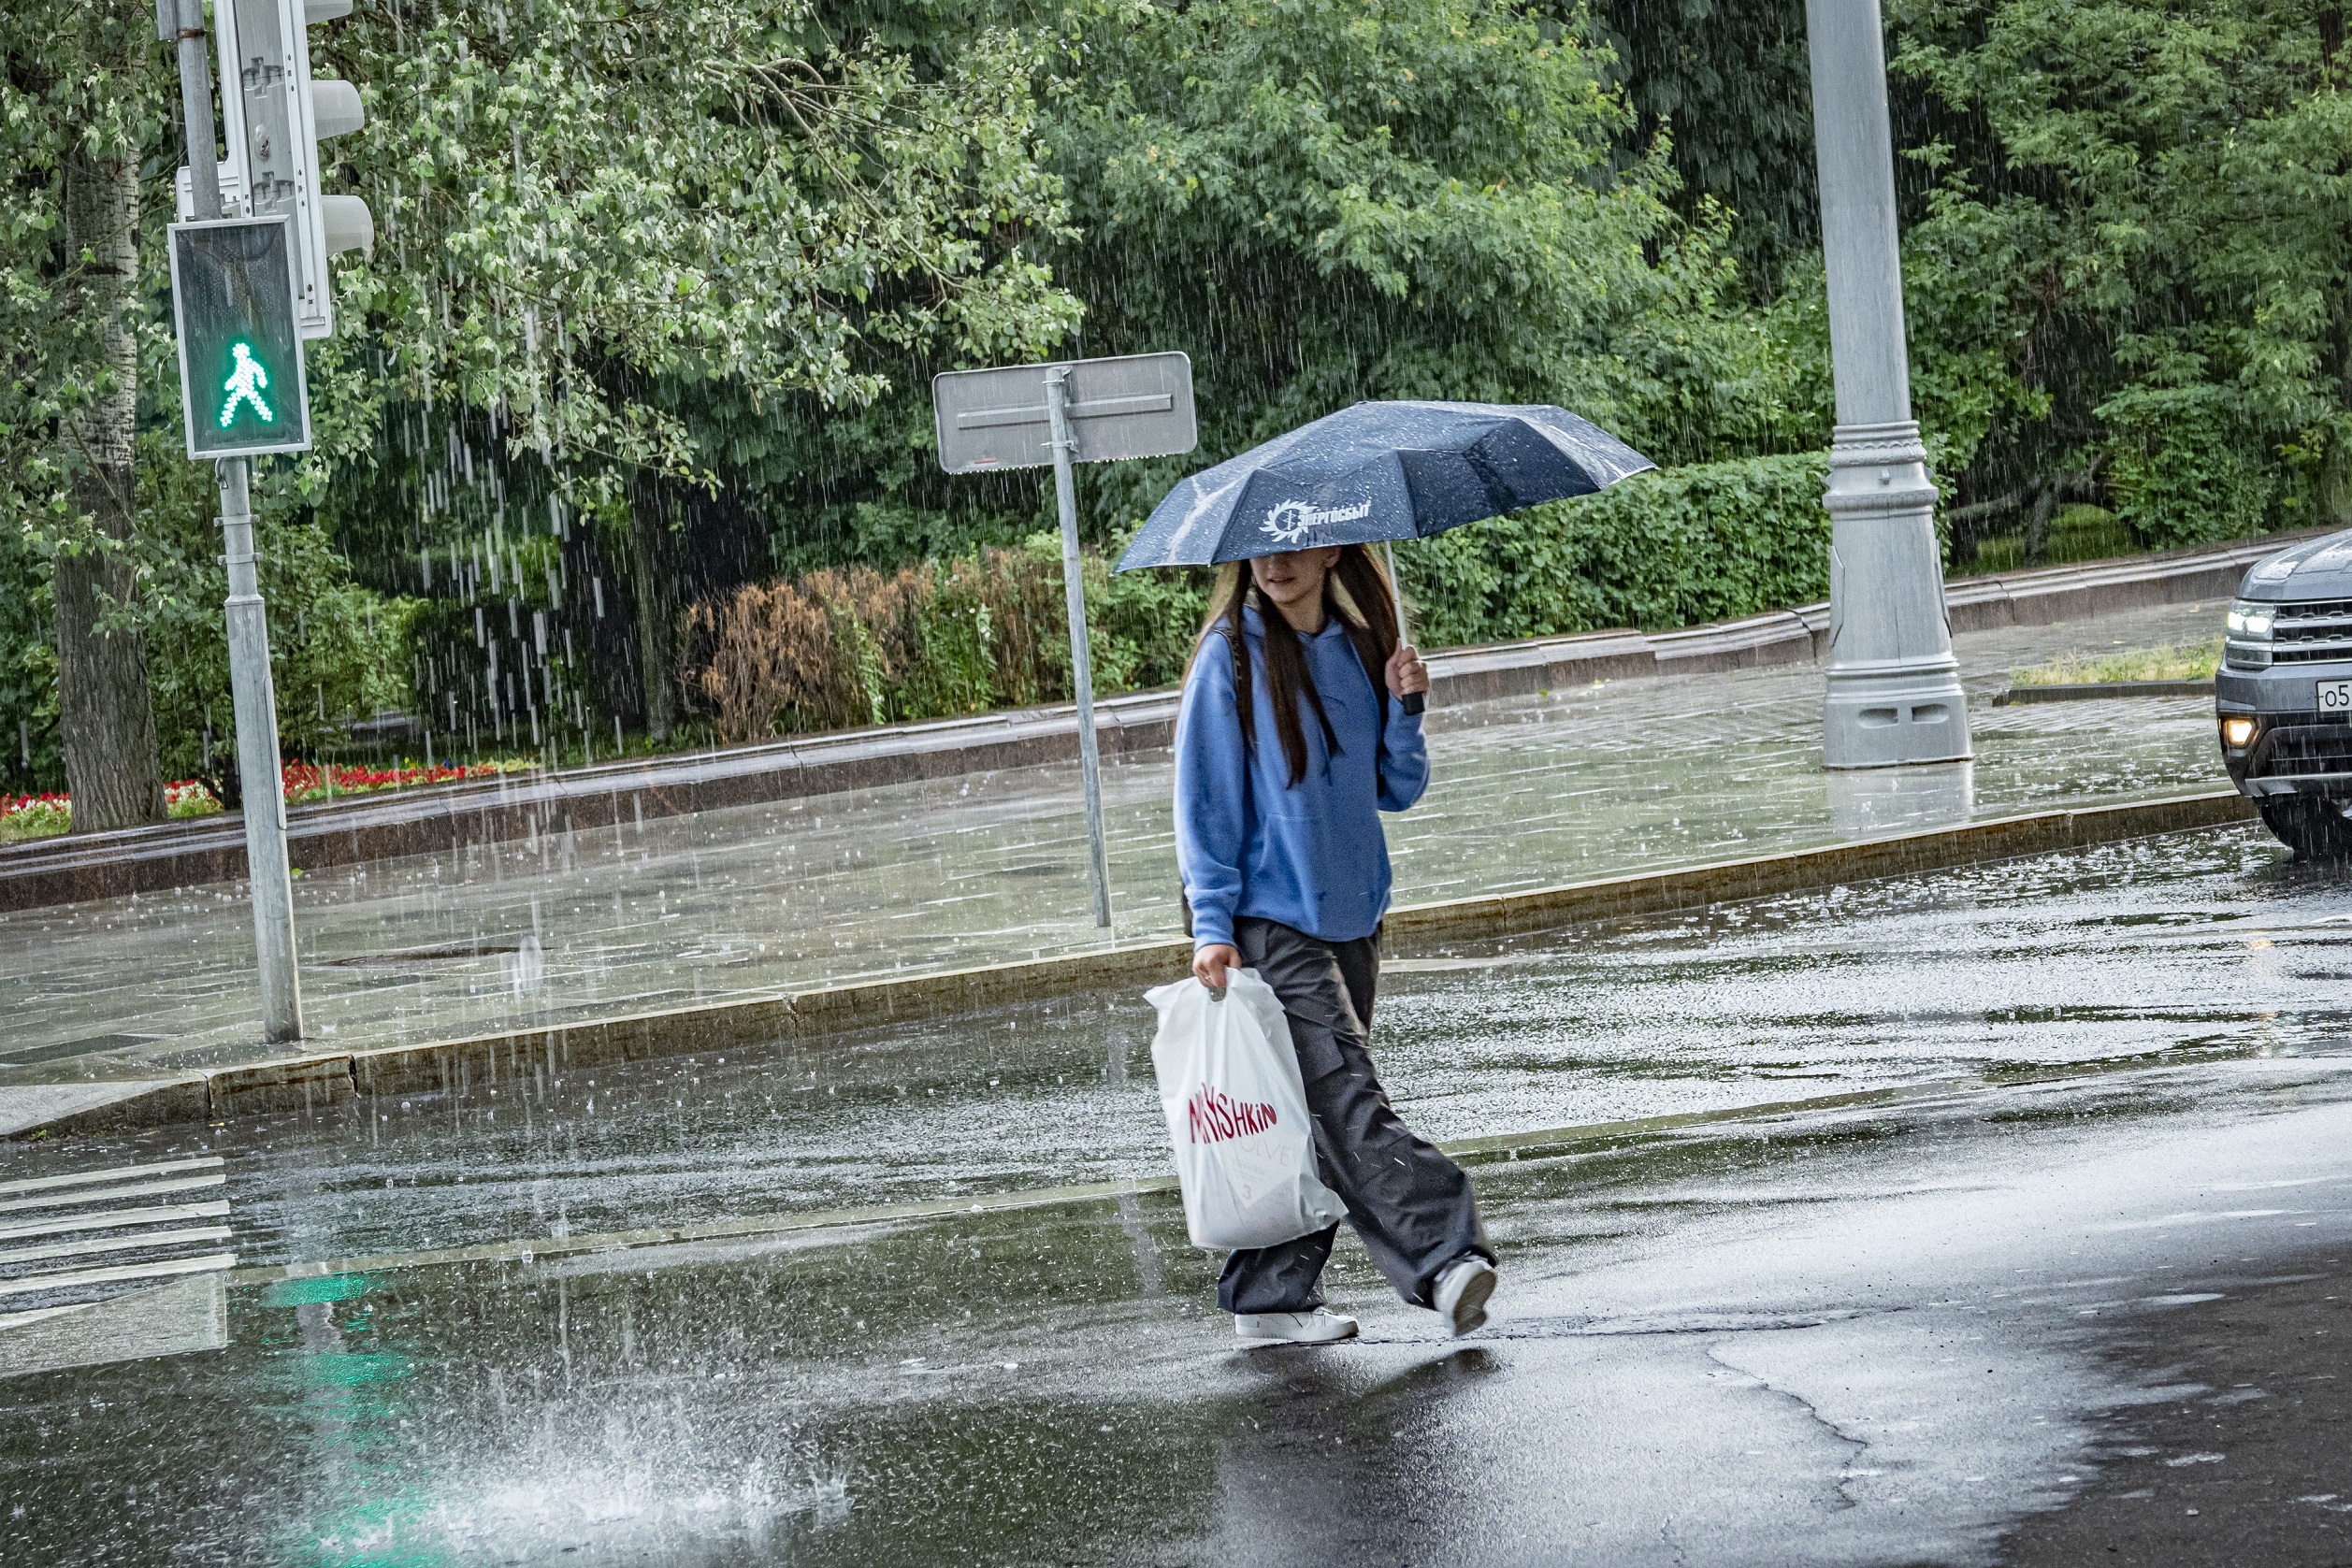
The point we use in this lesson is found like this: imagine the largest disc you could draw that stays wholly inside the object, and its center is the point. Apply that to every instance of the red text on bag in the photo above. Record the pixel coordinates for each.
(1215, 1116)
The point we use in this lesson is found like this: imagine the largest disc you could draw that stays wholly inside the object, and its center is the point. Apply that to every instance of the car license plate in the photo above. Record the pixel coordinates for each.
(2335, 699)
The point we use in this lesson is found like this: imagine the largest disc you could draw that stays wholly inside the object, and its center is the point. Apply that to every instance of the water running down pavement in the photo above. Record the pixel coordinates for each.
(985, 868)
(1846, 1336)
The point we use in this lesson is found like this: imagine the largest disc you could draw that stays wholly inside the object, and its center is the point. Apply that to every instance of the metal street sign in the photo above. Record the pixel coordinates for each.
(1083, 410)
(1134, 406)
(242, 385)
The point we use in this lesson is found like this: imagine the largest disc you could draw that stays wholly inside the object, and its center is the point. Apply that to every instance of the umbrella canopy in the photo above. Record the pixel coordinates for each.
(1381, 471)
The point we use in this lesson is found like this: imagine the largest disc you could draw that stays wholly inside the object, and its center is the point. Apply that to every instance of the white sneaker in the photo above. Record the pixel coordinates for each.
(1461, 1295)
(1320, 1326)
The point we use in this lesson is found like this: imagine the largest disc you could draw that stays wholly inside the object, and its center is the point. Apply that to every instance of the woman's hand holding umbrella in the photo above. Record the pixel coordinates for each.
(1406, 675)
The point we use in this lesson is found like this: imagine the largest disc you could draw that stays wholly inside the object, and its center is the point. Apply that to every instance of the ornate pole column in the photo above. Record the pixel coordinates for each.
(1893, 687)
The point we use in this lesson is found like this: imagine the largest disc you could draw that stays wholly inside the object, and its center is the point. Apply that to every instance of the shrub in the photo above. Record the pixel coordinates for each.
(1710, 541)
(2189, 467)
(850, 645)
(771, 656)
(846, 646)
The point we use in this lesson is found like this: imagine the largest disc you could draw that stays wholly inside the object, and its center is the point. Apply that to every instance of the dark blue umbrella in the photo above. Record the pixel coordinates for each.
(1381, 471)
(1377, 473)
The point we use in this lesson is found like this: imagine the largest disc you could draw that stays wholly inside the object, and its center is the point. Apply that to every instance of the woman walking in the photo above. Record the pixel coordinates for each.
(1290, 741)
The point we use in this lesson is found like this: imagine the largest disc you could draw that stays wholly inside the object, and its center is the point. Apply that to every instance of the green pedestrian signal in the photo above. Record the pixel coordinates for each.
(244, 385)
(240, 353)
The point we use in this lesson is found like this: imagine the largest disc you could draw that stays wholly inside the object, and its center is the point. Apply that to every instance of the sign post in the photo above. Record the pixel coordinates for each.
(1087, 411)
(242, 391)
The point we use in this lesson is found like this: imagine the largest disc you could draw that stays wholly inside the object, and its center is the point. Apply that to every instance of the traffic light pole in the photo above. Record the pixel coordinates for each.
(258, 773)
(254, 697)
(181, 22)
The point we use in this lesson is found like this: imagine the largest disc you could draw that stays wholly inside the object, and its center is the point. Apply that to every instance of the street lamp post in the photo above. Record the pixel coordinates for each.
(1893, 687)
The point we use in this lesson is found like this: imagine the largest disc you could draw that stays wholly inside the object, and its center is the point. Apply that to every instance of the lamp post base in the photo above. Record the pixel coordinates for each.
(1888, 717)
(1895, 694)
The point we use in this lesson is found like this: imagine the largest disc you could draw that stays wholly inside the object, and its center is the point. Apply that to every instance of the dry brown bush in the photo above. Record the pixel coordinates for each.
(850, 645)
(766, 657)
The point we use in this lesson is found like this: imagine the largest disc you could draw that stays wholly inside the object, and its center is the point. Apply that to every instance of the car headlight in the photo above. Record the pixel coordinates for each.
(2251, 621)
(2236, 731)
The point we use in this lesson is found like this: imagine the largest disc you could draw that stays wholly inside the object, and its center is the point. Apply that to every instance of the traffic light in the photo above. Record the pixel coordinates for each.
(273, 117)
(242, 385)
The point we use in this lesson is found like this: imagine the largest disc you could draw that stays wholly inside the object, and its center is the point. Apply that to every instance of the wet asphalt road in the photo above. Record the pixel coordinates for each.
(1933, 1331)
(2171, 947)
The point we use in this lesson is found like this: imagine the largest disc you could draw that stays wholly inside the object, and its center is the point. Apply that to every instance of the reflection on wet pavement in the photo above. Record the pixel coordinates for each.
(1867, 1334)
(1864, 1338)
(985, 868)
(2160, 948)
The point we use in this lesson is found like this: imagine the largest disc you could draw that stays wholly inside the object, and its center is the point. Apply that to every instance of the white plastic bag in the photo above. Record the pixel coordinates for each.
(1229, 1082)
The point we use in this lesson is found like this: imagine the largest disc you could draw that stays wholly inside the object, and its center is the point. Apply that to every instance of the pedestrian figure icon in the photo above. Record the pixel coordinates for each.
(244, 386)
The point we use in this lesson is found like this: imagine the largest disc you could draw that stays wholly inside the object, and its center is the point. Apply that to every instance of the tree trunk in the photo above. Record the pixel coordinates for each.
(2336, 483)
(106, 719)
(2045, 501)
(656, 634)
(2335, 460)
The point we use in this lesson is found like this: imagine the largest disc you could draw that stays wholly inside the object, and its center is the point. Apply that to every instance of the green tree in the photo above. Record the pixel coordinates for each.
(79, 109)
(337, 650)
(626, 237)
(2150, 206)
(1731, 81)
(1323, 200)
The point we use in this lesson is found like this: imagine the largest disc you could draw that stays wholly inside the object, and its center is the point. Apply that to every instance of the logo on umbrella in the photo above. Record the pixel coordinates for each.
(1291, 521)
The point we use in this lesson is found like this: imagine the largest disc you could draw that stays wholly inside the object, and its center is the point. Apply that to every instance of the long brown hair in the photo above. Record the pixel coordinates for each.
(1356, 593)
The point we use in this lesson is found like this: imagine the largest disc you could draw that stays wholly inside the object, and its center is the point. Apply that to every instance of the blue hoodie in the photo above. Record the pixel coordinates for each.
(1248, 843)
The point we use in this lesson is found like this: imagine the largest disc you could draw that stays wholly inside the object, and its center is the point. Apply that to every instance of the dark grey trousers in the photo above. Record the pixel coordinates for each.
(1411, 1203)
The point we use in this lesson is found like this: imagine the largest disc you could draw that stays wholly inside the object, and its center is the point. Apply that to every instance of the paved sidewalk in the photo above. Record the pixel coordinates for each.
(1610, 777)
(78, 868)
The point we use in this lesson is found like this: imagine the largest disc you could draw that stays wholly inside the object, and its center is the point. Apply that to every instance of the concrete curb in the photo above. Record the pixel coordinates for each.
(45, 1110)
(459, 1066)
(526, 807)
(2087, 691)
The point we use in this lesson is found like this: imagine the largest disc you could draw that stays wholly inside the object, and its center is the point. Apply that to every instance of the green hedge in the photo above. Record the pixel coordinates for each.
(1710, 542)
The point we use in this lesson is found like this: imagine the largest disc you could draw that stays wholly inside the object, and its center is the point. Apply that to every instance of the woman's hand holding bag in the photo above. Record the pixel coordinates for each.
(1229, 1085)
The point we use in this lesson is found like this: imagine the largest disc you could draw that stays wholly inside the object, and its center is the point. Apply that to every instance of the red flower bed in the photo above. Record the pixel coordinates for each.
(32, 816)
(308, 781)
(11, 804)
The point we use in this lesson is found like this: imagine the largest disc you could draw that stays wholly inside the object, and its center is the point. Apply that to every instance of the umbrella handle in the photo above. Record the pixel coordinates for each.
(1412, 702)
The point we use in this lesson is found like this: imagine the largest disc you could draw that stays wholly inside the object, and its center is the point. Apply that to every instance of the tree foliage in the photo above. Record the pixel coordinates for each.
(2151, 205)
(659, 288)
(78, 108)
(587, 208)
